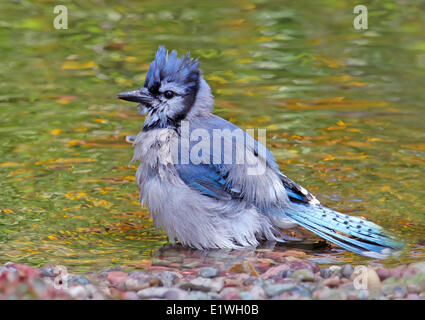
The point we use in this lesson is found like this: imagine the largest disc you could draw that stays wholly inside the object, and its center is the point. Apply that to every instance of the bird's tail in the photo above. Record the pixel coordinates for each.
(351, 233)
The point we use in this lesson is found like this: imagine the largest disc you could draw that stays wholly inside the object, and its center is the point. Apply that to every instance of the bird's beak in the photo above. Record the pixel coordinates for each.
(141, 96)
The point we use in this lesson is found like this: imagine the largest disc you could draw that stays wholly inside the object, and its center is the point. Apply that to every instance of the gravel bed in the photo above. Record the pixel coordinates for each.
(292, 278)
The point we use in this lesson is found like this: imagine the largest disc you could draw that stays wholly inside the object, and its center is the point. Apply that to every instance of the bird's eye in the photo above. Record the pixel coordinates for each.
(168, 94)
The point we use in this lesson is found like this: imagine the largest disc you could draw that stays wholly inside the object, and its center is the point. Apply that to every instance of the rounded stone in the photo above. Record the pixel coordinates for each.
(176, 294)
(117, 278)
(347, 270)
(155, 292)
(325, 273)
(257, 293)
(131, 295)
(277, 289)
(77, 292)
(335, 269)
(208, 272)
(198, 295)
(303, 275)
(332, 282)
(230, 294)
(394, 291)
(383, 273)
(81, 280)
(413, 296)
(48, 271)
(329, 294)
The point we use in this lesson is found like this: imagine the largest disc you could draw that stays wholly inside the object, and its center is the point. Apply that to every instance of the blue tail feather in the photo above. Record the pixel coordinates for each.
(340, 222)
(370, 239)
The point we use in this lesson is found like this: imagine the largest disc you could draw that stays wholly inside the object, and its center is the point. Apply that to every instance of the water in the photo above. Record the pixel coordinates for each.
(343, 111)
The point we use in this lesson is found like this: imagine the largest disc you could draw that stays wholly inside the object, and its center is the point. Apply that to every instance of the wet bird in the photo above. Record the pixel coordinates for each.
(205, 198)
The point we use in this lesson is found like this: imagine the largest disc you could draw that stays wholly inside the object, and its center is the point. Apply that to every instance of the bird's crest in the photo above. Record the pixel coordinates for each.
(171, 68)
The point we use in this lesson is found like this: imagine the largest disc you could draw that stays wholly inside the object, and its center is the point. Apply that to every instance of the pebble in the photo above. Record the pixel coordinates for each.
(418, 280)
(208, 272)
(419, 266)
(204, 284)
(413, 296)
(161, 263)
(176, 294)
(230, 294)
(332, 282)
(325, 273)
(136, 281)
(383, 273)
(154, 292)
(303, 275)
(236, 280)
(246, 295)
(77, 292)
(294, 253)
(301, 264)
(165, 277)
(81, 280)
(347, 270)
(329, 294)
(301, 291)
(414, 288)
(198, 295)
(394, 291)
(94, 293)
(276, 289)
(274, 272)
(357, 294)
(410, 272)
(291, 279)
(398, 271)
(116, 278)
(105, 272)
(39, 286)
(335, 269)
(258, 293)
(251, 280)
(131, 295)
(245, 267)
(308, 286)
(190, 264)
(48, 271)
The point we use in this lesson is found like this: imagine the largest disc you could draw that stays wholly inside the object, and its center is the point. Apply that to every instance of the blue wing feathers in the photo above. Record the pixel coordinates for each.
(207, 179)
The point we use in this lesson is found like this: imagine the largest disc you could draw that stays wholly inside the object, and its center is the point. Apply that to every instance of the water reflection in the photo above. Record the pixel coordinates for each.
(268, 253)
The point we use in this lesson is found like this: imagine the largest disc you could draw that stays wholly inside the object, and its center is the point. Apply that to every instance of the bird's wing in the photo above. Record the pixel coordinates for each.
(212, 180)
(297, 193)
(208, 179)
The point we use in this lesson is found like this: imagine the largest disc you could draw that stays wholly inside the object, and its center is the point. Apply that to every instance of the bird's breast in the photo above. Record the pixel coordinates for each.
(156, 150)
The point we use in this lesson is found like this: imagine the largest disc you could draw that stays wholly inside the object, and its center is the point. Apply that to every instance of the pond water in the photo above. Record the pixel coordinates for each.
(344, 113)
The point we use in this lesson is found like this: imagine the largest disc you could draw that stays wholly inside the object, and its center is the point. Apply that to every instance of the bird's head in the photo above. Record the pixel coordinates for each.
(170, 90)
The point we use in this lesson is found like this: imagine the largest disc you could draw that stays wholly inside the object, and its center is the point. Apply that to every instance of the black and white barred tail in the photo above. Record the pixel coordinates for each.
(351, 233)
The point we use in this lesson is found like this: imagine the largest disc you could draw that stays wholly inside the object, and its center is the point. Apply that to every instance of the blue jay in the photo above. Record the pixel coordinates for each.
(205, 202)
